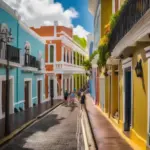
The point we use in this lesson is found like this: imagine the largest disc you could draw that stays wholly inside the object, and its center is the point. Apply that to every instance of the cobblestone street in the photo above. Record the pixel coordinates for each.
(56, 131)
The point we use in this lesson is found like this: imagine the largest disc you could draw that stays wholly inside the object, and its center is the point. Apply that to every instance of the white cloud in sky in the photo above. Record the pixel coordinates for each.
(44, 12)
(80, 31)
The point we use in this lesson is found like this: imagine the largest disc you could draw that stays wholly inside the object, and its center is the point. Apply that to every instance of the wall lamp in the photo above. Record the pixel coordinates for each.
(138, 69)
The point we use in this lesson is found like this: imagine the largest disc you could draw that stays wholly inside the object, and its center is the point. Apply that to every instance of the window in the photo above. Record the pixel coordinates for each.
(51, 54)
(74, 57)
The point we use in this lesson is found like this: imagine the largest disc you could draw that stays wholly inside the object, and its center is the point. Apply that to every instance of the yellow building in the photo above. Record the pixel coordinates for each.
(128, 87)
(124, 92)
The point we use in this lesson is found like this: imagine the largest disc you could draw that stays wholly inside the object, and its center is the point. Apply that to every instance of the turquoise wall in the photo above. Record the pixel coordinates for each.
(20, 37)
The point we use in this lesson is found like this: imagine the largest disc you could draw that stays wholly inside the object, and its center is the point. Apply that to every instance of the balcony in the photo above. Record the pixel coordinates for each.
(29, 63)
(63, 67)
(14, 56)
(131, 27)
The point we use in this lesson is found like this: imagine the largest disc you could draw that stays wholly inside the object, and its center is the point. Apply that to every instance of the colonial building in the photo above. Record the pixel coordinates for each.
(124, 85)
(26, 60)
(63, 60)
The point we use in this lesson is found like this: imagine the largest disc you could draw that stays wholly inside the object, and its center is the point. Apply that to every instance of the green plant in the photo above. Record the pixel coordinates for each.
(81, 41)
(87, 64)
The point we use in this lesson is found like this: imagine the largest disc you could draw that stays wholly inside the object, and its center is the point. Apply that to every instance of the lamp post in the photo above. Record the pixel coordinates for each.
(52, 96)
(6, 38)
(138, 69)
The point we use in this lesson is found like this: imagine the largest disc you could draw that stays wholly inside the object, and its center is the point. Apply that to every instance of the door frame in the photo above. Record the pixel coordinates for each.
(127, 63)
(11, 97)
(30, 91)
(41, 90)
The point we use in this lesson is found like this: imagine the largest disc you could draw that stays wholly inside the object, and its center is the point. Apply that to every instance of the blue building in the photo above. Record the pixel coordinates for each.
(26, 55)
(92, 79)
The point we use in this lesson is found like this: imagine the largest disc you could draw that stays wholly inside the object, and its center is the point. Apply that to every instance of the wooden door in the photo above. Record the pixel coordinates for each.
(3, 96)
(26, 94)
(39, 92)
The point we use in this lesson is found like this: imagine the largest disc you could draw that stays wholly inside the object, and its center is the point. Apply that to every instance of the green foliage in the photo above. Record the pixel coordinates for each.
(93, 55)
(87, 64)
(81, 41)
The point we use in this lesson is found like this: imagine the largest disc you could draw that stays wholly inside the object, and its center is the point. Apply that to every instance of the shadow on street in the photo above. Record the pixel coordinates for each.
(42, 126)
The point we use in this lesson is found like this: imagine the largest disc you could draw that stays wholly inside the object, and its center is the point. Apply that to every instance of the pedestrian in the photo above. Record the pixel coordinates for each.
(72, 97)
(82, 101)
(79, 94)
(65, 96)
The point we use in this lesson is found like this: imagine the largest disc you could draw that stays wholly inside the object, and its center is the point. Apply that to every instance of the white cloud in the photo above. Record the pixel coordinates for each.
(43, 12)
(80, 31)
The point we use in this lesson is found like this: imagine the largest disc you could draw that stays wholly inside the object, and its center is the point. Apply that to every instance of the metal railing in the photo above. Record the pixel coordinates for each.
(130, 15)
(14, 53)
(30, 61)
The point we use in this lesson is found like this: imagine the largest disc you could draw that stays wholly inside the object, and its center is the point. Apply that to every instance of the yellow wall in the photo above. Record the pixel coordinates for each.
(140, 95)
(106, 11)
(120, 93)
(114, 90)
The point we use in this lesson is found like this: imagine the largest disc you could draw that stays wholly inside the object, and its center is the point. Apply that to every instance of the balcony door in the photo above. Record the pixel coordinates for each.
(39, 90)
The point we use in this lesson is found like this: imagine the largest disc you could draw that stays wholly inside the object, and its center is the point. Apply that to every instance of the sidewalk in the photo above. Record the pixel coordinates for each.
(107, 138)
(20, 118)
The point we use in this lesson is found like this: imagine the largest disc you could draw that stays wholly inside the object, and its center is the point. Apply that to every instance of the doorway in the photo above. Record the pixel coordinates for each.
(39, 90)
(26, 94)
(127, 99)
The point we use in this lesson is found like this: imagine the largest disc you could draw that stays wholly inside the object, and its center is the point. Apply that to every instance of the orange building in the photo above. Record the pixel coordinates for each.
(63, 59)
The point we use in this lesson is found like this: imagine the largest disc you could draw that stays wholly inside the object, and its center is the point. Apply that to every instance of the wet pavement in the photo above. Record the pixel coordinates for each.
(55, 131)
(107, 138)
(20, 118)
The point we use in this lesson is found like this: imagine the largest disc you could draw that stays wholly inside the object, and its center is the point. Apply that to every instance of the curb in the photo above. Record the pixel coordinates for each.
(24, 126)
(89, 139)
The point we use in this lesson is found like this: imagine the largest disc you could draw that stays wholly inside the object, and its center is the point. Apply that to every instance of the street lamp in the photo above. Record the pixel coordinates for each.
(6, 38)
(138, 69)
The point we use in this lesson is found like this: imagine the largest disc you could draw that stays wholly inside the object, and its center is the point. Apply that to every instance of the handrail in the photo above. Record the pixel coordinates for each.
(130, 15)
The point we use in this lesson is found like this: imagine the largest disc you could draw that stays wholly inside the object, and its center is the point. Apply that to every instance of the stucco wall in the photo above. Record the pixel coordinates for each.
(140, 94)
(106, 11)
(20, 37)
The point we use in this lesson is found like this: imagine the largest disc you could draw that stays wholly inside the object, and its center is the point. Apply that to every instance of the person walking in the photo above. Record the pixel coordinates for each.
(82, 101)
(72, 97)
(65, 96)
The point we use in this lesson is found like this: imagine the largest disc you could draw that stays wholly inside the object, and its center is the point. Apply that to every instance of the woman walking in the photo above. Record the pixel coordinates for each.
(82, 100)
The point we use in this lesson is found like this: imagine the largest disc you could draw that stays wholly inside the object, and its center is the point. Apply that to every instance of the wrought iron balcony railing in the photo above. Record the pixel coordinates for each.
(130, 15)
(30, 61)
(14, 54)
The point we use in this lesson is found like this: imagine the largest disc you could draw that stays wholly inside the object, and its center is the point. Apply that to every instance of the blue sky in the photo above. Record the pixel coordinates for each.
(85, 19)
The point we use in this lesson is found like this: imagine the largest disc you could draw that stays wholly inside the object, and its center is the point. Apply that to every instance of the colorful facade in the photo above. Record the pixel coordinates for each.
(63, 60)
(124, 82)
(26, 54)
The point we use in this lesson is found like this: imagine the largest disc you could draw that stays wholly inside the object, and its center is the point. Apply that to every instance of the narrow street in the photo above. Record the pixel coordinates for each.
(56, 131)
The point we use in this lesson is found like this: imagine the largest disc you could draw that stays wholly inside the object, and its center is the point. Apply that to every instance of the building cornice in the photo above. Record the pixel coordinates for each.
(68, 42)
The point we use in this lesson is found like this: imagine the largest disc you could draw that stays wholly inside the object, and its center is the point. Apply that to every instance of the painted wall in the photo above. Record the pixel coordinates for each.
(20, 37)
(140, 94)
(106, 11)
